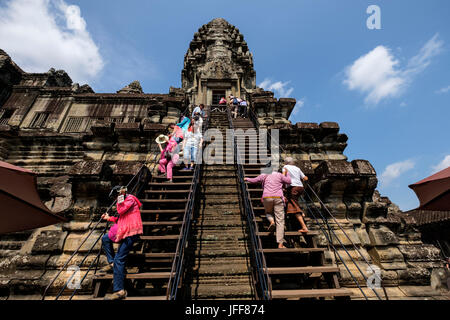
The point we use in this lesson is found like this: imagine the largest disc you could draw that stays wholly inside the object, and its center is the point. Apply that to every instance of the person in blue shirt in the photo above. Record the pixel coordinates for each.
(184, 124)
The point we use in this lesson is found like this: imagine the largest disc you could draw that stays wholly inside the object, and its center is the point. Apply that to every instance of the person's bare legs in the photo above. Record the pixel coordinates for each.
(300, 219)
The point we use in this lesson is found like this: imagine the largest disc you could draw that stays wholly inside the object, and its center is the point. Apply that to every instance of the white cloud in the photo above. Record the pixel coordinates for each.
(393, 171)
(443, 90)
(298, 106)
(279, 88)
(378, 73)
(282, 90)
(375, 74)
(444, 164)
(41, 34)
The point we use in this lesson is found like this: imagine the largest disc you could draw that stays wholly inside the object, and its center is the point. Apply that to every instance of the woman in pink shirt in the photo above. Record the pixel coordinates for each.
(169, 158)
(126, 231)
(273, 200)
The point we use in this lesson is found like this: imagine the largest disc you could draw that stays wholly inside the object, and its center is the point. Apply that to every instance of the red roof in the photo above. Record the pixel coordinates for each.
(437, 176)
(434, 192)
(12, 167)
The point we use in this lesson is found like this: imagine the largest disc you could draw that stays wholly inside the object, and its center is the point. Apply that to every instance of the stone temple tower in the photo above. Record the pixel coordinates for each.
(218, 63)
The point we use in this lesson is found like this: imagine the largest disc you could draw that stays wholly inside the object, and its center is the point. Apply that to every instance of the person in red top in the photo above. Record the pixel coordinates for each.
(129, 227)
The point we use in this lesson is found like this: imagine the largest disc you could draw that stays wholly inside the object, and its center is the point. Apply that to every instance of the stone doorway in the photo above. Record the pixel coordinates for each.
(216, 96)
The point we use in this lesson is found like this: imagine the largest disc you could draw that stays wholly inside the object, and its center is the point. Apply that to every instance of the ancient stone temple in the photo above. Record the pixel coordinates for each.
(82, 143)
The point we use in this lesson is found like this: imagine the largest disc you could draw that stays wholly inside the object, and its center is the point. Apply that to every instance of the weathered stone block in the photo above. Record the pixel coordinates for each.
(73, 241)
(335, 168)
(169, 119)
(374, 212)
(307, 125)
(87, 168)
(363, 167)
(382, 236)
(421, 291)
(414, 276)
(50, 241)
(422, 252)
(388, 258)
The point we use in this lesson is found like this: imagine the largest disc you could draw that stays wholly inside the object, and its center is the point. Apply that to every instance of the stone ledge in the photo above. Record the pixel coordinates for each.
(335, 168)
(363, 167)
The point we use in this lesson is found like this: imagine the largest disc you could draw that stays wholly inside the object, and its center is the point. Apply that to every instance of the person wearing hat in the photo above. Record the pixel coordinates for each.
(128, 228)
(169, 158)
(294, 191)
(273, 200)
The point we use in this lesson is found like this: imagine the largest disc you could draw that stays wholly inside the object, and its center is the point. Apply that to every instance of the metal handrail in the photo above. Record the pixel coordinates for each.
(336, 252)
(261, 266)
(348, 238)
(178, 262)
(138, 174)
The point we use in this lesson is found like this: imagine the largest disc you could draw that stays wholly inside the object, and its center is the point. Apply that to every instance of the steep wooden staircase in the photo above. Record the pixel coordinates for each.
(205, 238)
(219, 250)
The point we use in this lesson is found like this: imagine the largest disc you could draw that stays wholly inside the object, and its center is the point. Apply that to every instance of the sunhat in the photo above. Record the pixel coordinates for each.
(162, 139)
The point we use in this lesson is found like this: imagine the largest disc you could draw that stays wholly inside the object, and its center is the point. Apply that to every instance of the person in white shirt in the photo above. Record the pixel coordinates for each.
(199, 110)
(294, 191)
(192, 142)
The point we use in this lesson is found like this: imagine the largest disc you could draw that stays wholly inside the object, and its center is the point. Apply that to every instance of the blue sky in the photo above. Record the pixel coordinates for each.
(389, 89)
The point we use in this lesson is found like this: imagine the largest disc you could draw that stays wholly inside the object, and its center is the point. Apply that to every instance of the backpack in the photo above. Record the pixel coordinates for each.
(235, 101)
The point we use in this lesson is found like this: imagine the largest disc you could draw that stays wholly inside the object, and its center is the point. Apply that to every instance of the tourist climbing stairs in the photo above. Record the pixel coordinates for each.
(150, 263)
(298, 271)
(155, 266)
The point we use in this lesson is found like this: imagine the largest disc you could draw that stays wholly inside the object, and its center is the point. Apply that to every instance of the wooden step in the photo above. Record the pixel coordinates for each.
(168, 184)
(302, 270)
(288, 233)
(162, 223)
(174, 177)
(144, 275)
(146, 298)
(163, 200)
(159, 255)
(166, 191)
(169, 211)
(310, 293)
(293, 250)
(167, 237)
